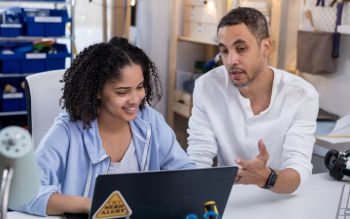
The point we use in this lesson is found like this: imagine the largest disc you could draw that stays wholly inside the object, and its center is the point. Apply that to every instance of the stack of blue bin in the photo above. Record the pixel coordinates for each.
(36, 22)
(19, 57)
(23, 57)
(45, 22)
(13, 100)
(11, 22)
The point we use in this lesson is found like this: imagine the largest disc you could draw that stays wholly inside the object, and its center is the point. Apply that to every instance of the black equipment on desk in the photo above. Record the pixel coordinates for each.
(337, 163)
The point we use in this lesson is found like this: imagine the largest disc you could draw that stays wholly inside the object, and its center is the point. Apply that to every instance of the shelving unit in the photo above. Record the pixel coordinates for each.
(187, 48)
(19, 117)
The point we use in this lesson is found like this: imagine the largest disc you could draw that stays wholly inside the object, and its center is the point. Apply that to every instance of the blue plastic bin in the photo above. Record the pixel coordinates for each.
(13, 102)
(11, 61)
(57, 60)
(11, 30)
(45, 22)
(12, 64)
(34, 62)
(11, 22)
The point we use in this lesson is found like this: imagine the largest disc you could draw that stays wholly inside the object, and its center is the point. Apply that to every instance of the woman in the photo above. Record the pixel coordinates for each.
(108, 127)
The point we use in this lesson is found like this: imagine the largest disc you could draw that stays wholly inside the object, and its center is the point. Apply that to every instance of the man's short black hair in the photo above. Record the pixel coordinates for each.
(252, 18)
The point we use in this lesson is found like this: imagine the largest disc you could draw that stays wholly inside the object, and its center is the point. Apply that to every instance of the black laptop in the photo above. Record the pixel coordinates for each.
(161, 194)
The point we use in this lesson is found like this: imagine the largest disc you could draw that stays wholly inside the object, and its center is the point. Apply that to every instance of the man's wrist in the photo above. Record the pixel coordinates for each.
(265, 176)
(271, 180)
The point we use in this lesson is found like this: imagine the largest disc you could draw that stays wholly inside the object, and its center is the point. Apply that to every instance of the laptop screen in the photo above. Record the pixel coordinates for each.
(161, 194)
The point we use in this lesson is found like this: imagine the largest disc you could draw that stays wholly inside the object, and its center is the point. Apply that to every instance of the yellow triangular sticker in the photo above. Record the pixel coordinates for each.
(115, 206)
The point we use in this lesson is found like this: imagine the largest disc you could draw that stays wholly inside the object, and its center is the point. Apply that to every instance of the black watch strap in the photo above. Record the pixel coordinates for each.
(271, 181)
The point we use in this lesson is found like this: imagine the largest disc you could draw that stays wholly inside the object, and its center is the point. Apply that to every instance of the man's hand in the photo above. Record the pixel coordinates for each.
(254, 171)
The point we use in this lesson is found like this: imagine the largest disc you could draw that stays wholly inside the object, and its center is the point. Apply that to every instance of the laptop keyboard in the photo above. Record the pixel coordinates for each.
(344, 203)
(75, 216)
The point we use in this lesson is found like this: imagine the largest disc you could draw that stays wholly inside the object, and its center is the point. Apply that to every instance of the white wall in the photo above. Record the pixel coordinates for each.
(334, 89)
(88, 23)
(153, 36)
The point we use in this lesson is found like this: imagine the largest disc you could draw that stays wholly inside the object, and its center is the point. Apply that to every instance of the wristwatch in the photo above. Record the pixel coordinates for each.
(271, 181)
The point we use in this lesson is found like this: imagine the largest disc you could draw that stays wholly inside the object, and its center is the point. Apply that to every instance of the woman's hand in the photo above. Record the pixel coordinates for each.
(59, 204)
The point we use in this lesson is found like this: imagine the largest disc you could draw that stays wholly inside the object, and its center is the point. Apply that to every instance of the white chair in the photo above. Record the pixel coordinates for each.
(43, 91)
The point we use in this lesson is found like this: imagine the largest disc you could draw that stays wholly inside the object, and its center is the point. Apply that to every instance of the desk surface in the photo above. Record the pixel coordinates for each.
(319, 200)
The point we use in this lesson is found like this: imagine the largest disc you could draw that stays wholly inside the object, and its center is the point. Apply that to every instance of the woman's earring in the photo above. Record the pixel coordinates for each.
(98, 99)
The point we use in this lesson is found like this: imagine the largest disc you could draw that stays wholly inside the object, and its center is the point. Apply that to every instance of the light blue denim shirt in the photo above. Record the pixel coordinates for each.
(71, 157)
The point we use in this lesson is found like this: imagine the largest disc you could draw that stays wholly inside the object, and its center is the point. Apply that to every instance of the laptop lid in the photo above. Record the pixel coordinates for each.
(161, 194)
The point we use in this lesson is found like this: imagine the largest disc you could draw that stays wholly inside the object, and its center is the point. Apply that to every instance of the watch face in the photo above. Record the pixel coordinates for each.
(273, 177)
(271, 181)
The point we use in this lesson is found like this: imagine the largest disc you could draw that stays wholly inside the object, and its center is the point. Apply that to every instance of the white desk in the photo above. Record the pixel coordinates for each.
(319, 200)
(18, 215)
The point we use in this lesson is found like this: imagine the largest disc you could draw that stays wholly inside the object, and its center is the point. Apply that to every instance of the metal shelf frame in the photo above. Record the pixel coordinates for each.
(70, 4)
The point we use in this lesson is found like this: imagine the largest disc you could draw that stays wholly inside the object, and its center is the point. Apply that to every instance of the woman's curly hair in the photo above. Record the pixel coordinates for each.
(97, 64)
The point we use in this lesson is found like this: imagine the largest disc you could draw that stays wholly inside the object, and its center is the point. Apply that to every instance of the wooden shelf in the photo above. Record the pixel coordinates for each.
(197, 40)
(182, 103)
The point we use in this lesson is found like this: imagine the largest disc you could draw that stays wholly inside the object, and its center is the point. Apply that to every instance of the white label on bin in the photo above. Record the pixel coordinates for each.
(11, 25)
(44, 19)
(36, 56)
(12, 95)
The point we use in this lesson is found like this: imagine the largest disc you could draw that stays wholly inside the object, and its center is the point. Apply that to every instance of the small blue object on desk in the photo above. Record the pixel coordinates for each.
(191, 216)
(211, 215)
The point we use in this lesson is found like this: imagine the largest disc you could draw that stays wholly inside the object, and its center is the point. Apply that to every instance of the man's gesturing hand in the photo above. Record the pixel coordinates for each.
(254, 171)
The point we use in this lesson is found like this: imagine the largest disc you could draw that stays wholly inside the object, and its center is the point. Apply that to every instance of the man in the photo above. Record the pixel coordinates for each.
(252, 115)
